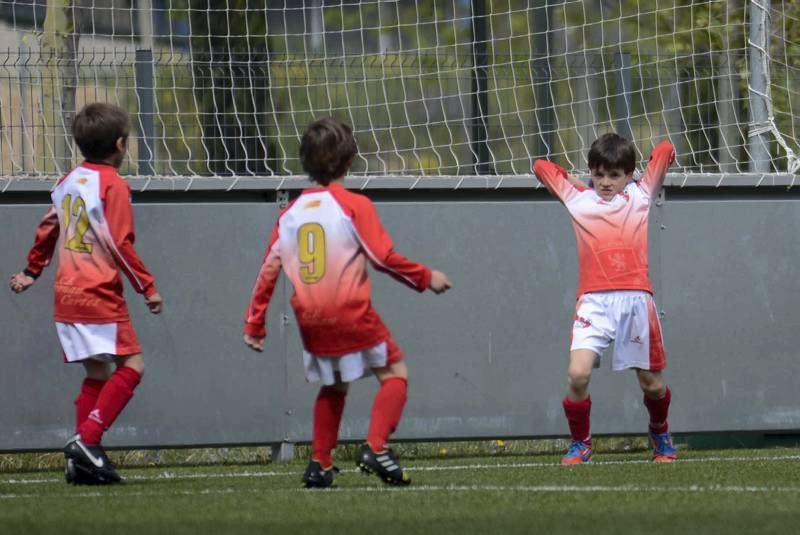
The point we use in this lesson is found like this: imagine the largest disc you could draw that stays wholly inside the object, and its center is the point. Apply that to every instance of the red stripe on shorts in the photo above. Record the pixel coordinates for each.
(658, 358)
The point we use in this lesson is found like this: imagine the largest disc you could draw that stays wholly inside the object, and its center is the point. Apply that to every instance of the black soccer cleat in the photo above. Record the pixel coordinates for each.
(92, 459)
(384, 465)
(317, 477)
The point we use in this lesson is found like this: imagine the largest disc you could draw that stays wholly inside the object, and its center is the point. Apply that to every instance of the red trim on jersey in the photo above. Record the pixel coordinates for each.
(119, 218)
(376, 240)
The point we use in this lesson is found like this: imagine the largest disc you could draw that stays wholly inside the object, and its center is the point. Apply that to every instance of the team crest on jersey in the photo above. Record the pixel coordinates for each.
(313, 204)
(82, 181)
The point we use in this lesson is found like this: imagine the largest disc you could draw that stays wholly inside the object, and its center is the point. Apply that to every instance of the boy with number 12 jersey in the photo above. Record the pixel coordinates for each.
(323, 241)
(90, 225)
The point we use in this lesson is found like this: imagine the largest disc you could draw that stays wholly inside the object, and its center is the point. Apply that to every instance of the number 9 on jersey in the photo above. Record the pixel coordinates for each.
(311, 252)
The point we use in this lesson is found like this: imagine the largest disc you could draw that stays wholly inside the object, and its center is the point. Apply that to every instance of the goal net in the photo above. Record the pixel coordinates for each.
(439, 87)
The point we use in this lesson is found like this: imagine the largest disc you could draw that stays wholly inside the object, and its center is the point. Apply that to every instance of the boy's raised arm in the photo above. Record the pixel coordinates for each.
(556, 179)
(660, 160)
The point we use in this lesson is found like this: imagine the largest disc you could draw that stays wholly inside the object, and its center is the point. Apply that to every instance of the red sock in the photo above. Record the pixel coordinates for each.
(116, 393)
(84, 403)
(577, 413)
(327, 415)
(386, 411)
(658, 409)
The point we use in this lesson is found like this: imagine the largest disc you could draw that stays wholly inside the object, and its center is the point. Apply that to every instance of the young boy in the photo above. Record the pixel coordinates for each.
(91, 220)
(322, 241)
(615, 302)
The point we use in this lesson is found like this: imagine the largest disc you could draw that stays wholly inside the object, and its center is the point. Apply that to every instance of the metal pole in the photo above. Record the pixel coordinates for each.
(624, 84)
(542, 78)
(758, 85)
(480, 94)
(145, 94)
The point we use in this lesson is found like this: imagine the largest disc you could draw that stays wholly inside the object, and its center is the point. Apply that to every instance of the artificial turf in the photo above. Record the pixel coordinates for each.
(731, 491)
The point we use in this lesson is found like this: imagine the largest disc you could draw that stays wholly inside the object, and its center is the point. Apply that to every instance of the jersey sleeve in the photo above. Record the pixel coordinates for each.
(119, 217)
(660, 160)
(255, 317)
(379, 248)
(554, 177)
(44, 244)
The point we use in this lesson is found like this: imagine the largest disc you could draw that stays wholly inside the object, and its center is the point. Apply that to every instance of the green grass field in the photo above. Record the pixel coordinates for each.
(732, 491)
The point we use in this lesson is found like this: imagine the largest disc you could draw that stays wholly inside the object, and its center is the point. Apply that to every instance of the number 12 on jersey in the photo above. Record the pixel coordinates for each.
(311, 252)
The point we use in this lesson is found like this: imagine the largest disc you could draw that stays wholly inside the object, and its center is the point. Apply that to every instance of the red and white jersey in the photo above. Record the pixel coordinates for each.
(323, 241)
(611, 235)
(91, 220)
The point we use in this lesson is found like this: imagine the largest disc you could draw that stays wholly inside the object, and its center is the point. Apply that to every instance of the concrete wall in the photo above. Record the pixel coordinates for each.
(487, 359)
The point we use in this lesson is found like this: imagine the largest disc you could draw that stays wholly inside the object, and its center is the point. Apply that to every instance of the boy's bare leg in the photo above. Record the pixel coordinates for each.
(578, 405)
(652, 383)
(657, 397)
(581, 363)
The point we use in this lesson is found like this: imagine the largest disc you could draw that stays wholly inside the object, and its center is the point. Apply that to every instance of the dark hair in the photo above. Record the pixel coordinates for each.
(612, 151)
(327, 149)
(97, 127)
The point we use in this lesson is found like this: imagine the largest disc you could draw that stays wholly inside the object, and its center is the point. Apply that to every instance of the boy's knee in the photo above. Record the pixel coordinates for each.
(652, 384)
(578, 380)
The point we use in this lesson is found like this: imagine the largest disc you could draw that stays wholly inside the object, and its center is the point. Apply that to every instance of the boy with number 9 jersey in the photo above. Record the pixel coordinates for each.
(323, 241)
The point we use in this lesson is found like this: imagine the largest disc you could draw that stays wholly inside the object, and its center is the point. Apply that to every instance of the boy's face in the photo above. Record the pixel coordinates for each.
(608, 182)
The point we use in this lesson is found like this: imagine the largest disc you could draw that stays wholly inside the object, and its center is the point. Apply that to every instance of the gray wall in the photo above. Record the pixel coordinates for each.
(487, 359)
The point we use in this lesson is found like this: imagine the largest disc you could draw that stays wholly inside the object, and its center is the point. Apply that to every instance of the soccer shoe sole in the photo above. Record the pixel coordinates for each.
(575, 460)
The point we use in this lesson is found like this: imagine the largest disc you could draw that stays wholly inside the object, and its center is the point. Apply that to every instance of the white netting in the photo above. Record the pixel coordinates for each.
(438, 87)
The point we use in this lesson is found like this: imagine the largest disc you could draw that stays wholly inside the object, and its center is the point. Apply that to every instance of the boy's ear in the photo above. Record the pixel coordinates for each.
(122, 144)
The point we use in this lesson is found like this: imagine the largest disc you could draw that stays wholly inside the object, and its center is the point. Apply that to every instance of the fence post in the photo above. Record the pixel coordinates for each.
(758, 86)
(145, 94)
(542, 80)
(480, 94)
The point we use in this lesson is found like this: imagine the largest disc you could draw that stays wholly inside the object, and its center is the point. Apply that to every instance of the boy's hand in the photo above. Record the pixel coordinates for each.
(21, 282)
(439, 282)
(575, 181)
(255, 343)
(154, 303)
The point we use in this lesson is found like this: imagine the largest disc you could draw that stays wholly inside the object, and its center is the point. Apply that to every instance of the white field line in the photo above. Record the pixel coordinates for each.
(172, 476)
(533, 489)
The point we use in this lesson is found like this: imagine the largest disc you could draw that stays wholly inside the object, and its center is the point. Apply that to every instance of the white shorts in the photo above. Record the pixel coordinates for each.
(99, 341)
(351, 366)
(626, 317)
